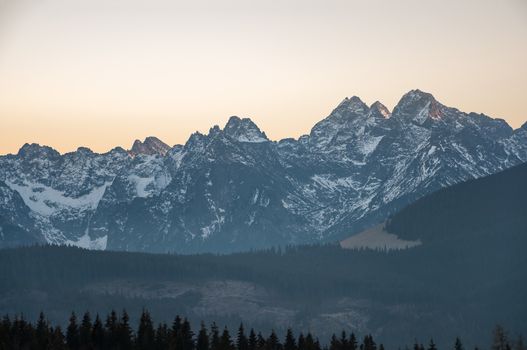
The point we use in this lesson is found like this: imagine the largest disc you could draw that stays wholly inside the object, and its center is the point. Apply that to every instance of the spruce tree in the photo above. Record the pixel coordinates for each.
(253, 341)
(214, 337)
(242, 343)
(225, 340)
(162, 338)
(72, 333)
(97, 333)
(124, 332)
(41, 332)
(202, 342)
(432, 345)
(289, 343)
(85, 332)
(458, 345)
(499, 338)
(272, 343)
(145, 332)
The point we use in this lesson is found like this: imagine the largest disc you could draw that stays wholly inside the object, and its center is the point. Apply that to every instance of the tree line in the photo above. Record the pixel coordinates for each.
(116, 333)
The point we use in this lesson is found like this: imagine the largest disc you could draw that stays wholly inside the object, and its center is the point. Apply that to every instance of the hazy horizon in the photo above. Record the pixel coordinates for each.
(101, 74)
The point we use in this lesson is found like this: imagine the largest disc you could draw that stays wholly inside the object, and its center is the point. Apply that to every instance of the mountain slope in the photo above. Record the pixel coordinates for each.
(233, 189)
(491, 206)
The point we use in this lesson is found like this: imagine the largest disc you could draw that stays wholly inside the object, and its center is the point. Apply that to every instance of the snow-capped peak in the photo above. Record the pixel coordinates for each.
(244, 130)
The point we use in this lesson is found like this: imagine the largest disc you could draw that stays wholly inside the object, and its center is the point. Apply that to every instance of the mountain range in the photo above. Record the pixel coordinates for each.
(233, 189)
(468, 269)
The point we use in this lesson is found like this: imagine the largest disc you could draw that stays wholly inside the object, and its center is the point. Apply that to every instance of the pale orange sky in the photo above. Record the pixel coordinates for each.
(103, 73)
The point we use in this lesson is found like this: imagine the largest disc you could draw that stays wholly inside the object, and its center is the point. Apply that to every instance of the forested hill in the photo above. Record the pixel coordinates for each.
(396, 296)
(493, 207)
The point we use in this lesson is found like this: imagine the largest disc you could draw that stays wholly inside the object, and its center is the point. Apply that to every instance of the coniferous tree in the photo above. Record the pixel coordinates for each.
(432, 345)
(187, 335)
(225, 340)
(260, 341)
(334, 343)
(242, 343)
(176, 340)
(352, 344)
(41, 332)
(85, 332)
(344, 342)
(145, 332)
(273, 343)
(124, 332)
(57, 340)
(458, 345)
(111, 336)
(499, 338)
(72, 333)
(252, 341)
(162, 337)
(202, 342)
(214, 337)
(301, 342)
(97, 333)
(290, 342)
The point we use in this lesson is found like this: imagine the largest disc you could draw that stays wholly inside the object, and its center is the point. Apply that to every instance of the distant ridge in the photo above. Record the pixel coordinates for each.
(234, 189)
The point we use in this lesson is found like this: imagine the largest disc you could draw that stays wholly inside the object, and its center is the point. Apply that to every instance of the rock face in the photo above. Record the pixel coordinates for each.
(234, 189)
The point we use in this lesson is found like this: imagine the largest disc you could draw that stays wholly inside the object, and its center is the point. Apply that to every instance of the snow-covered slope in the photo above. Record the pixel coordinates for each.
(234, 189)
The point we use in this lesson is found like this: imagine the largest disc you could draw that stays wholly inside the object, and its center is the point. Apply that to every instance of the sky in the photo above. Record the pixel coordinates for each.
(102, 73)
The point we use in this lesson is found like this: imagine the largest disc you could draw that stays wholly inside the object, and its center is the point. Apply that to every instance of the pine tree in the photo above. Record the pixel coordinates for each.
(202, 342)
(41, 332)
(85, 332)
(214, 337)
(272, 343)
(176, 340)
(260, 341)
(253, 341)
(352, 342)
(344, 343)
(162, 338)
(458, 345)
(187, 335)
(499, 339)
(242, 343)
(145, 332)
(97, 333)
(124, 332)
(72, 333)
(289, 343)
(334, 343)
(57, 340)
(432, 345)
(301, 343)
(111, 332)
(225, 340)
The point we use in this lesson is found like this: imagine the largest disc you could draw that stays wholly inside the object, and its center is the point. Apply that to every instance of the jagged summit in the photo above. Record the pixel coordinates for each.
(377, 109)
(150, 146)
(353, 104)
(244, 130)
(36, 150)
(232, 189)
(417, 106)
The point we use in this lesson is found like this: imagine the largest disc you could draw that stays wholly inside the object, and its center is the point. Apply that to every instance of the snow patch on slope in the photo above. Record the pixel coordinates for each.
(46, 200)
(87, 243)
